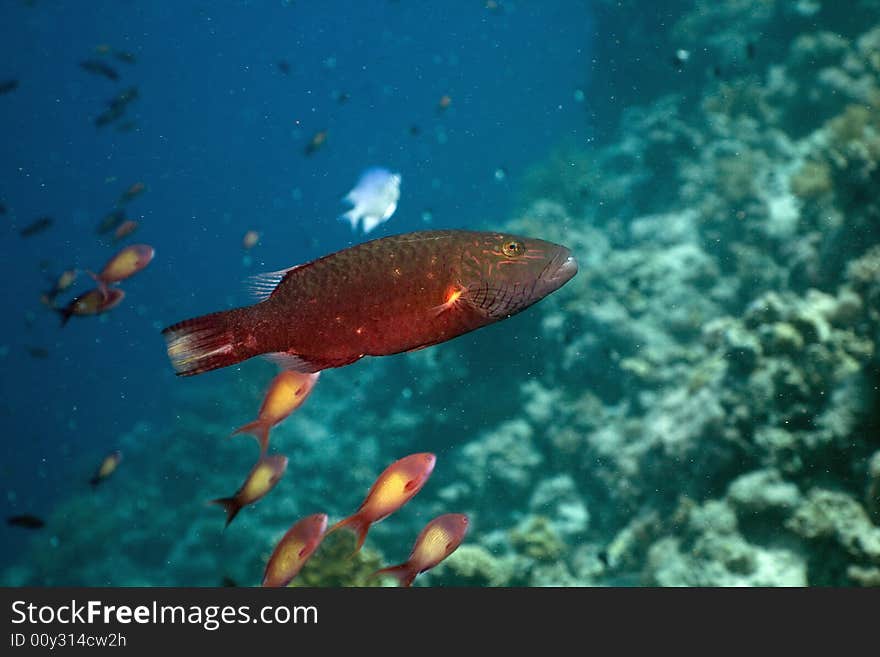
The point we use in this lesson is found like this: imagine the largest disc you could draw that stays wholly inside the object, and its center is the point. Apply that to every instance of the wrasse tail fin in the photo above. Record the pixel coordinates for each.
(231, 505)
(356, 523)
(209, 342)
(259, 430)
(404, 573)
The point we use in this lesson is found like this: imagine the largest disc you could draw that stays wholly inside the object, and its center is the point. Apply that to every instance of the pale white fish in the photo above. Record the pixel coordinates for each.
(374, 199)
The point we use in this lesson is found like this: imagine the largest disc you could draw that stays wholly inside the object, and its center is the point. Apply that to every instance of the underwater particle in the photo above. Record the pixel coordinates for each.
(111, 221)
(283, 66)
(250, 240)
(341, 97)
(500, 174)
(440, 538)
(93, 302)
(396, 486)
(374, 199)
(125, 264)
(444, 103)
(8, 86)
(262, 478)
(316, 142)
(95, 67)
(35, 227)
(680, 57)
(579, 96)
(108, 467)
(378, 298)
(131, 193)
(26, 521)
(124, 229)
(294, 549)
(286, 393)
(427, 216)
(329, 63)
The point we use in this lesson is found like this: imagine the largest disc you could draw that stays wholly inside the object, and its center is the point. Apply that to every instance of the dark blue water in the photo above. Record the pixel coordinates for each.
(219, 144)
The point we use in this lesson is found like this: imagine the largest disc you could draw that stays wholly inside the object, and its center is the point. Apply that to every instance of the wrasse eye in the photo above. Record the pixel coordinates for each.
(513, 248)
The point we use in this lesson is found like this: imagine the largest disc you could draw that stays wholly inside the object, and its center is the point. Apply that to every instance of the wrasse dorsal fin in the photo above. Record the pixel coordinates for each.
(261, 286)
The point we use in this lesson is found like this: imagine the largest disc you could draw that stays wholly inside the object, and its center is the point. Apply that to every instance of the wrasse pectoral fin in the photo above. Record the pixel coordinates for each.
(452, 301)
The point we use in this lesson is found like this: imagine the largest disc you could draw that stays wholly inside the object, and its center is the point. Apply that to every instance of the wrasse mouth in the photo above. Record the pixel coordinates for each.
(563, 268)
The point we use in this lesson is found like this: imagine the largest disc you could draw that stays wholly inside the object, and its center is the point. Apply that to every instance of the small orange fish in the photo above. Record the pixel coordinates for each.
(131, 193)
(124, 264)
(316, 142)
(93, 302)
(444, 103)
(440, 538)
(108, 467)
(125, 229)
(396, 486)
(250, 240)
(64, 281)
(294, 549)
(286, 393)
(260, 480)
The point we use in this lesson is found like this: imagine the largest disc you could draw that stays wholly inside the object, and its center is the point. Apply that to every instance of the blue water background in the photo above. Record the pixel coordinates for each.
(220, 148)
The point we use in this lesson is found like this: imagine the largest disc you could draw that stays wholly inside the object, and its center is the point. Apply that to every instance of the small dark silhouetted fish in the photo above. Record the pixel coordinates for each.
(750, 50)
(341, 97)
(37, 352)
(125, 229)
(111, 221)
(99, 68)
(284, 66)
(26, 521)
(131, 193)
(228, 581)
(8, 86)
(37, 226)
(109, 116)
(124, 97)
(316, 142)
(124, 56)
(2, 209)
(415, 130)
